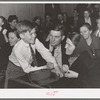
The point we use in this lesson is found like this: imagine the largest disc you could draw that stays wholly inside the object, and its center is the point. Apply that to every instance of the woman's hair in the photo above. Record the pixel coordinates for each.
(12, 17)
(87, 25)
(74, 37)
(4, 21)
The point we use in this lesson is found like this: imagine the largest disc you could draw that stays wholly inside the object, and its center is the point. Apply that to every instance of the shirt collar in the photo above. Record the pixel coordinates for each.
(25, 44)
(57, 48)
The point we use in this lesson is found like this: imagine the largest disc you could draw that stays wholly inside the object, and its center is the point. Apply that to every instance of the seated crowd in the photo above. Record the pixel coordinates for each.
(57, 53)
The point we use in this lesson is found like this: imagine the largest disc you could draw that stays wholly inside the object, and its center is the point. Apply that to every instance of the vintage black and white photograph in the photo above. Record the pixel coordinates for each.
(49, 45)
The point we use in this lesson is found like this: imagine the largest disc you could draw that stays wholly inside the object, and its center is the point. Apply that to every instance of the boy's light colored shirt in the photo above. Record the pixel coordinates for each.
(21, 55)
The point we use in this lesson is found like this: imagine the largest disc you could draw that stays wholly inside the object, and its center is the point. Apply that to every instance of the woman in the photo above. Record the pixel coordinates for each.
(93, 42)
(12, 23)
(85, 70)
(6, 51)
(3, 31)
(88, 42)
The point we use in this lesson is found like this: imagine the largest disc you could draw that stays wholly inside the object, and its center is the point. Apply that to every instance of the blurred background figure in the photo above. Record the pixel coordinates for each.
(73, 21)
(12, 22)
(52, 9)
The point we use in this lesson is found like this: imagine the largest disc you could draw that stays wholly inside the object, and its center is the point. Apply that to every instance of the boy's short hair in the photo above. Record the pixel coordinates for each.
(24, 26)
(12, 17)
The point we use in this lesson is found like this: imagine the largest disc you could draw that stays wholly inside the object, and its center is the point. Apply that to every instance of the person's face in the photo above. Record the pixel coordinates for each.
(98, 23)
(38, 21)
(70, 47)
(86, 14)
(55, 38)
(60, 17)
(13, 39)
(13, 23)
(29, 37)
(85, 32)
(64, 16)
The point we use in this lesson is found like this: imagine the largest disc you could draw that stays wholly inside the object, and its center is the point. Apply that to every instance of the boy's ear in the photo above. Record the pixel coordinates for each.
(21, 36)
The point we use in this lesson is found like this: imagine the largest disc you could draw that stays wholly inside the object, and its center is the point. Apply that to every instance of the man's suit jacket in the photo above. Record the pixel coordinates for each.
(41, 61)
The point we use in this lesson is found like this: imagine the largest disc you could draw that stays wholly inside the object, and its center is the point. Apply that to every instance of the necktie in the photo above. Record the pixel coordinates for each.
(34, 63)
(53, 51)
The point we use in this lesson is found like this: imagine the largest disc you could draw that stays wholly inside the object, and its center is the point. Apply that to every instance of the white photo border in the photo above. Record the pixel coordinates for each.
(49, 93)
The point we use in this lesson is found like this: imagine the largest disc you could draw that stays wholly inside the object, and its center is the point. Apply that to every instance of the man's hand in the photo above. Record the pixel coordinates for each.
(71, 74)
(55, 69)
(65, 68)
(59, 73)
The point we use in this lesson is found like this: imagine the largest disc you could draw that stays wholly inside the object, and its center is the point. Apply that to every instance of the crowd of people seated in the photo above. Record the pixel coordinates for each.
(59, 52)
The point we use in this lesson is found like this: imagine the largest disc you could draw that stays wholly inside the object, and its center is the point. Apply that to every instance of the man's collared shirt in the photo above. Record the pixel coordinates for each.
(57, 54)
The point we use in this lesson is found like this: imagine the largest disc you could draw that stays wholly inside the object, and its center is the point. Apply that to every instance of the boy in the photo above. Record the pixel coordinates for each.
(21, 56)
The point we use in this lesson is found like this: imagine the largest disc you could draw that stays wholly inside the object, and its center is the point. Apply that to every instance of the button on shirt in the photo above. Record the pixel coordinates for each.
(21, 55)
